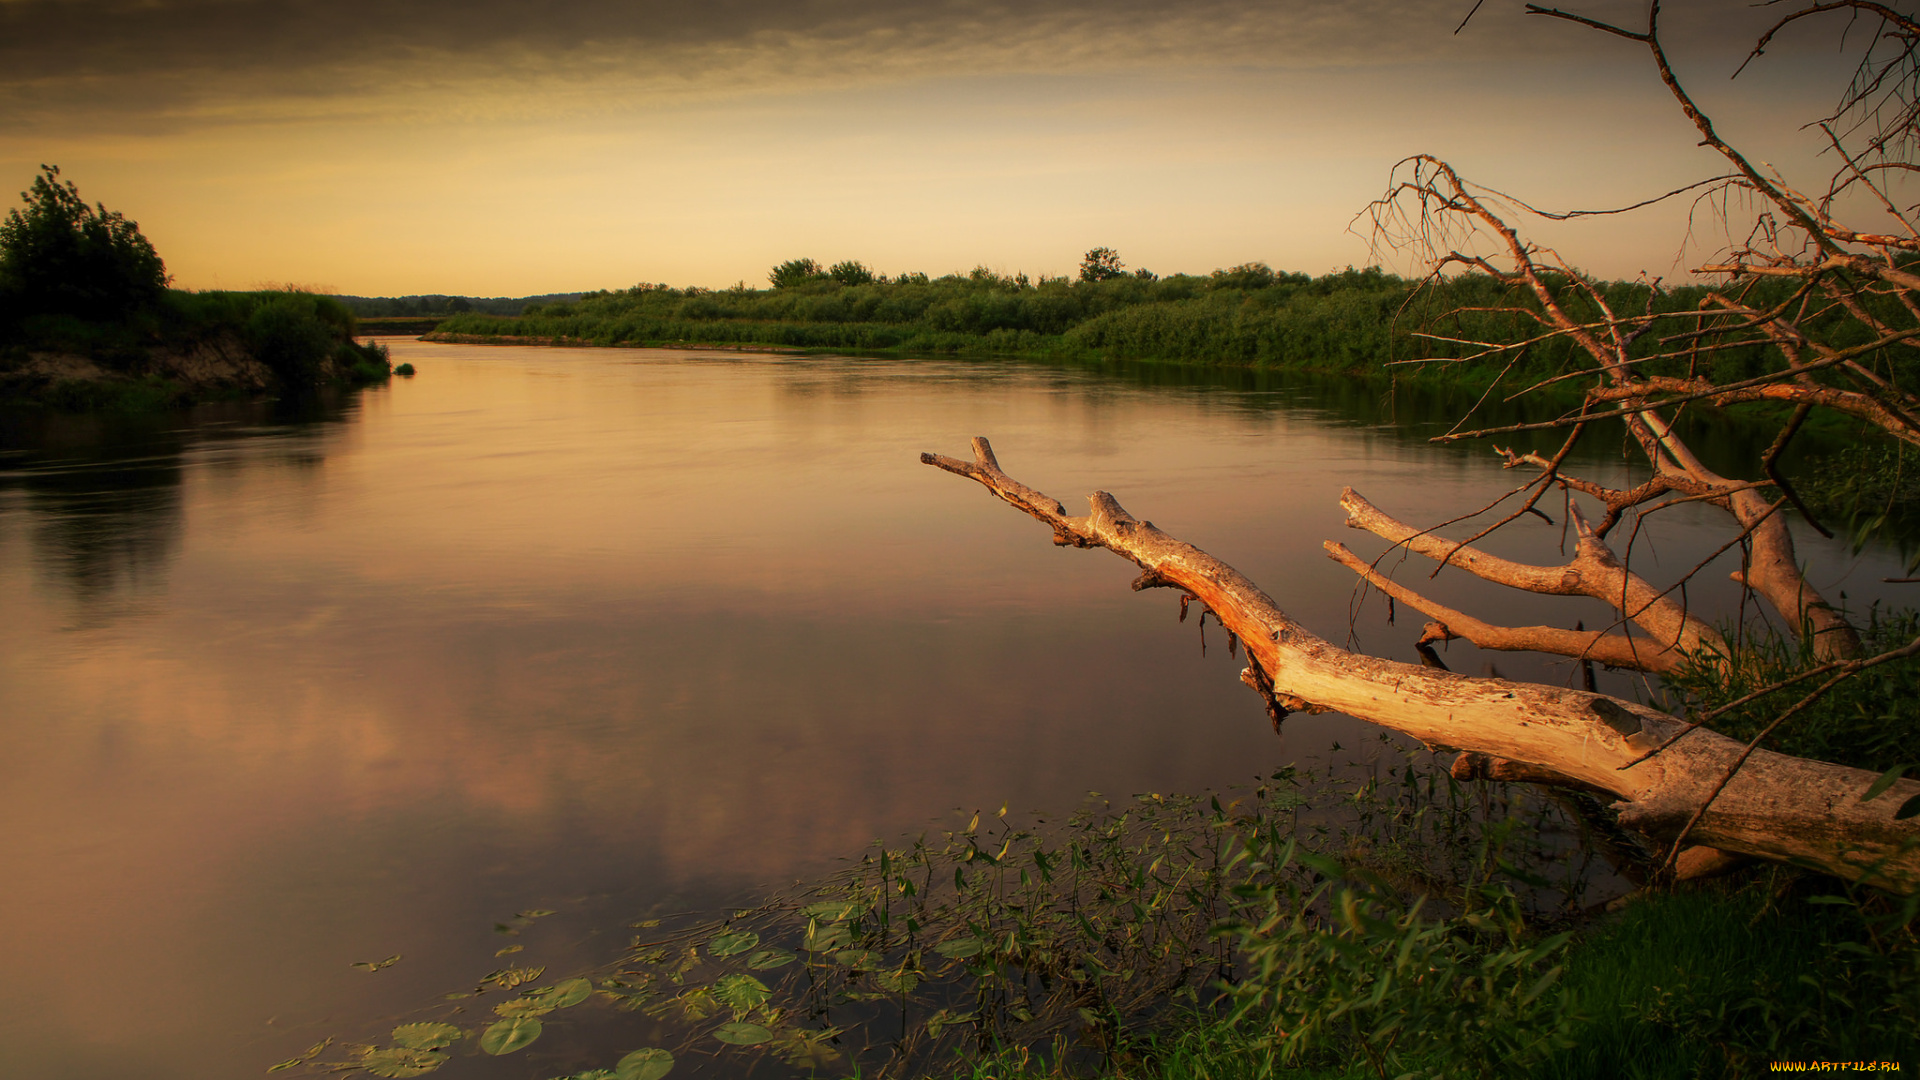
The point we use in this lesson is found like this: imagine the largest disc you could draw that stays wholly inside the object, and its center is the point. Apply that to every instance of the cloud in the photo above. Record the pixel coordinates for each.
(209, 60)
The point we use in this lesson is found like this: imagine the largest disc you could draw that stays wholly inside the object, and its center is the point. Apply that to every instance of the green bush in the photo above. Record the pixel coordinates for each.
(287, 334)
(62, 257)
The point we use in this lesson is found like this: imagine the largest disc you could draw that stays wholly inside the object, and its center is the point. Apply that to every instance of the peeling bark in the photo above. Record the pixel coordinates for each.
(1774, 807)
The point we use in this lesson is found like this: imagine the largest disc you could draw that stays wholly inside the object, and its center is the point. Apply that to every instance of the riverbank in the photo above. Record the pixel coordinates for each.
(1348, 323)
(187, 348)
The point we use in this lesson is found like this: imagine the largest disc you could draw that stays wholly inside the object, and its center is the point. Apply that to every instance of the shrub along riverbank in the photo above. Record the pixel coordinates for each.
(1356, 321)
(87, 320)
(187, 347)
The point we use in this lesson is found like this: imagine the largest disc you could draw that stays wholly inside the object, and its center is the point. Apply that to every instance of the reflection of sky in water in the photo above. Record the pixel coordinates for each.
(601, 630)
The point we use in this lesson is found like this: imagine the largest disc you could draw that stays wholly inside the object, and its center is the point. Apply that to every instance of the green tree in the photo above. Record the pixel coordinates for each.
(851, 272)
(63, 257)
(1102, 264)
(796, 272)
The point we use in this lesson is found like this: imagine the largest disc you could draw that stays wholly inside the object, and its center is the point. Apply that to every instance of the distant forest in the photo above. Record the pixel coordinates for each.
(382, 307)
(1246, 316)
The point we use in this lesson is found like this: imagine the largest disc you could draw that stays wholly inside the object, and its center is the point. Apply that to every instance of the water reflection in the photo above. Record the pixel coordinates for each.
(102, 499)
(599, 631)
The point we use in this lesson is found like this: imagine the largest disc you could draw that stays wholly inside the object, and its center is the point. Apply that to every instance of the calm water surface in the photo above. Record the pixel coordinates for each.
(606, 632)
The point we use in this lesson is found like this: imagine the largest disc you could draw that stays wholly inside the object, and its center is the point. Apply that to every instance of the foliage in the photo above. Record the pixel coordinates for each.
(1717, 982)
(1332, 970)
(1101, 264)
(1869, 721)
(367, 307)
(62, 257)
(82, 280)
(1074, 936)
(1868, 489)
(851, 272)
(796, 272)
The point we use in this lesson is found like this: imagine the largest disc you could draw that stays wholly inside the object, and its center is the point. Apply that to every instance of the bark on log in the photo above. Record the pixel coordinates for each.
(1775, 807)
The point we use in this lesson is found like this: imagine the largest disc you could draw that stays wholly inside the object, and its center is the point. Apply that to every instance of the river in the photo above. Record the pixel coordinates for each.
(613, 631)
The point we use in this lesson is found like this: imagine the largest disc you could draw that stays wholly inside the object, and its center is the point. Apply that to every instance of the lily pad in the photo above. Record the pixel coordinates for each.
(524, 1006)
(864, 959)
(960, 948)
(508, 978)
(897, 982)
(649, 1064)
(566, 994)
(513, 1033)
(425, 1036)
(401, 1061)
(741, 993)
(592, 1074)
(741, 1033)
(733, 942)
(768, 959)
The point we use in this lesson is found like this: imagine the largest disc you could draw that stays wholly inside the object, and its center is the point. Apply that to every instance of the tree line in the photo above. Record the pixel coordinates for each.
(1245, 315)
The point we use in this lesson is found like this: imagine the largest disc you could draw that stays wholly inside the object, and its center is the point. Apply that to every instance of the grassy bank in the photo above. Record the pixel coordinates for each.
(185, 347)
(87, 321)
(1248, 316)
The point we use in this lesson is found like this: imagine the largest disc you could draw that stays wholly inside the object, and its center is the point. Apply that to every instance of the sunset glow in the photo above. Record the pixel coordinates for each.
(494, 149)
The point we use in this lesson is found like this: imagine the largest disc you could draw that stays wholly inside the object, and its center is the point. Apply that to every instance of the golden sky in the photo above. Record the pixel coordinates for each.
(496, 147)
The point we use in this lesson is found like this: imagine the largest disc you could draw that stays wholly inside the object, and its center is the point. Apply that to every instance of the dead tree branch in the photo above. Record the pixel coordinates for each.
(1772, 806)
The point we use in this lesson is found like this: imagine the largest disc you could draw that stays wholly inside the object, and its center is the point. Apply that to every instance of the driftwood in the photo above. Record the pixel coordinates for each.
(1715, 791)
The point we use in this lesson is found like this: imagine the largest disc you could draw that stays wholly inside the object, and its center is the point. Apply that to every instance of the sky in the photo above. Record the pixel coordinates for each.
(504, 148)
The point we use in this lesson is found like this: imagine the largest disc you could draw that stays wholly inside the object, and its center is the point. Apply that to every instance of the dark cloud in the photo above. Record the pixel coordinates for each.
(114, 41)
(132, 59)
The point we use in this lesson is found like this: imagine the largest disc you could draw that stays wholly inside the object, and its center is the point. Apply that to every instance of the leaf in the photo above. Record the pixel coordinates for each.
(1907, 809)
(943, 1018)
(565, 995)
(960, 948)
(698, 1004)
(536, 913)
(508, 978)
(509, 950)
(731, 943)
(426, 1036)
(287, 1064)
(741, 993)
(898, 982)
(592, 1074)
(1879, 787)
(515, 1033)
(649, 1064)
(523, 1006)
(400, 1061)
(833, 910)
(741, 1033)
(768, 959)
(862, 959)
(377, 965)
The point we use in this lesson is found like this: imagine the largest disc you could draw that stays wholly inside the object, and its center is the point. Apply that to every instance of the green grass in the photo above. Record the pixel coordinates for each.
(1709, 983)
(1720, 981)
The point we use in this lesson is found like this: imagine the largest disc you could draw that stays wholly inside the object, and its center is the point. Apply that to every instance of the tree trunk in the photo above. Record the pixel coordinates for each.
(1774, 807)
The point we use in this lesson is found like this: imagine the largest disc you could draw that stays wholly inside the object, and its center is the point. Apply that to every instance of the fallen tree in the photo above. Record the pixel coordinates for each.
(1806, 315)
(1755, 802)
